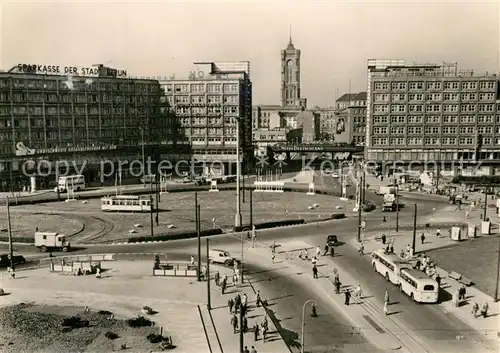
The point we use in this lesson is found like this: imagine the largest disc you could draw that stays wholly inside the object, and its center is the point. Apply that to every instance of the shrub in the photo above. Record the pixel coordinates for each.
(25, 240)
(155, 338)
(175, 236)
(140, 321)
(75, 322)
(105, 312)
(111, 335)
(483, 179)
(337, 216)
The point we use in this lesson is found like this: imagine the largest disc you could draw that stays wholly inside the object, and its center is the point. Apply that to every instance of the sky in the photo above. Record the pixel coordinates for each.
(335, 37)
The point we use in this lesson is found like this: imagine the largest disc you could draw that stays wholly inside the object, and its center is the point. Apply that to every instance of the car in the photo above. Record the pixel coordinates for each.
(332, 240)
(17, 260)
(221, 257)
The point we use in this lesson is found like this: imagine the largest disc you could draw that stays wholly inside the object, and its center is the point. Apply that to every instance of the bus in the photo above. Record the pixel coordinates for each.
(126, 203)
(388, 265)
(72, 182)
(419, 286)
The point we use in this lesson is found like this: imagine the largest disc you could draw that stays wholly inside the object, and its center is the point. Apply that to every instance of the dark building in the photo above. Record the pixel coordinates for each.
(84, 120)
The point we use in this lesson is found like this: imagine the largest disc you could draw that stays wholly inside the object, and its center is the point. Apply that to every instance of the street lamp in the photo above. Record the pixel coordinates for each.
(237, 216)
(302, 338)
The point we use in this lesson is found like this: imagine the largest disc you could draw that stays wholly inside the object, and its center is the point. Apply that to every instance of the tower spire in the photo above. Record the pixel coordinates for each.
(290, 41)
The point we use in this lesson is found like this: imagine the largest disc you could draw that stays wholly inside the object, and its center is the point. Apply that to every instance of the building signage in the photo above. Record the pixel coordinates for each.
(22, 150)
(70, 70)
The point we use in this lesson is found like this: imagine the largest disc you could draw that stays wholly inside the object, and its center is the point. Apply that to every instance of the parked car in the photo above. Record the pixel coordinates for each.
(221, 257)
(332, 240)
(17, 259)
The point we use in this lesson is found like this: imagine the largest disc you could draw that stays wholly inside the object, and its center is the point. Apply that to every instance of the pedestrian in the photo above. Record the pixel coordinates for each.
(347, 297)
(245, 324)
(314, 261)
(386, 309)
(257, 300)
(326, 250)
(384, 238)
(217, 278)
(315, 272)
(243, 309)
(314, 313)
(273, 256)
(332, 251)
(253, 350)
(234, 323)
(246, 350)
(438, 280)
(337, 286)
(318, 251)
(98, 273)
(230, 305)
(235, 279)
(254, 236)
(386, 297)
(306, 254)
(484, 310)
(300, 254)
(237, 303)
(361, 249)
(256, 332)
(264, 333)
(245, 299)
(422, 238)
(223, 286)
(192, 260)
(438, 233)
(475, 309)
(358, 292)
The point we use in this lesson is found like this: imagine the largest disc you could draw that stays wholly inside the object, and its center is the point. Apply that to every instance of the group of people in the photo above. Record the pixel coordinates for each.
(239, 305)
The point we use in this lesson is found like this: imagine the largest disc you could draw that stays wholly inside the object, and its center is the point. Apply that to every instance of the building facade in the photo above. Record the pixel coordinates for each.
(266, 138)
(290, 77)
(432, 113)
(46, 117)
(208, 106)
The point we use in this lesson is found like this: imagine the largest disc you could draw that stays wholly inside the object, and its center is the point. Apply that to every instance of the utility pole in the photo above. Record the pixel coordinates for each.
(243, 186)
(485, 203)
(57, 185)
(414, 229)
(151, 208)
(143, 159)
(438, 174)
(9, 227)
(359, 222)
(197, 220)
(241, 258)
(157, 196)
(397, 208)
(251, 209)
(209, 306)
(237, 216)
(241, 330)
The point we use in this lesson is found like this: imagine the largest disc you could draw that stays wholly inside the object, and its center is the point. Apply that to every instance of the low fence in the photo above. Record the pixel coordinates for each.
(173, 269)
(73, 267)
(79, 258)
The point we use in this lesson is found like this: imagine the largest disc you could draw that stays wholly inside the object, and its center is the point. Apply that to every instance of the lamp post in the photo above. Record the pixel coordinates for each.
(237, 216)
(397, 207)
(143, 159)
(302, 338)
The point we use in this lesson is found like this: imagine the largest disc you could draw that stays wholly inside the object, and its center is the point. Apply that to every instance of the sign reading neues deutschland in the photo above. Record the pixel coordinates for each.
(22, 150)
(70, 70)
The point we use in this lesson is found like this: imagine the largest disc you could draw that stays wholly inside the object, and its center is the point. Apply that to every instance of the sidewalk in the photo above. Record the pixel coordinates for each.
(222, 318)
(489, 326)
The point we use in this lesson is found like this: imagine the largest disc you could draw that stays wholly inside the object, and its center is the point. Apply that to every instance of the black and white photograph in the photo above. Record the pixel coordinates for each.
(249, 176)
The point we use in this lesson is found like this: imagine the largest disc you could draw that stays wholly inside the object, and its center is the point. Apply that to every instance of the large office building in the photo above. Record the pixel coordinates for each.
(432, 113)
(208, 106)
(83, 116)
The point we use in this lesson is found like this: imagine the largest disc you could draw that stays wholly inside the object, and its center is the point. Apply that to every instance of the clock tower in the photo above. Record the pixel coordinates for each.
(290, 76)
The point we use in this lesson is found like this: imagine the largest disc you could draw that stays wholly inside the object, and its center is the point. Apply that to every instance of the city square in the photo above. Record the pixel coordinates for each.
(298, 197)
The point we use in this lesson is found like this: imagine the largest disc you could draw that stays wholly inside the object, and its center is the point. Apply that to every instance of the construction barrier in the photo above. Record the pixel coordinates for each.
(80, 258)
(73, 267)
(269, 186)
(172, 269)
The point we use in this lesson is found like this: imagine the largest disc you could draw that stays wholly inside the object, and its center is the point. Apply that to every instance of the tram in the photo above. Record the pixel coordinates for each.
(126, 203)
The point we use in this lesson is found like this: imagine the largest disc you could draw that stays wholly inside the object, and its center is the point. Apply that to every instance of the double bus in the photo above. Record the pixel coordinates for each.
(127, 203)
(72, 183)
(419, 286)
(388, 265)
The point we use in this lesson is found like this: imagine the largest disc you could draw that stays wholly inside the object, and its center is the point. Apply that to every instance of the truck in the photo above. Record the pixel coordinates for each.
(389, 204)
(47, 241)
(383, 190)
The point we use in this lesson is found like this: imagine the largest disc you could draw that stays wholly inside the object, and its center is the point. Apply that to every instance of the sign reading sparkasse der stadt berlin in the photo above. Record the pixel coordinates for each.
(70, 70)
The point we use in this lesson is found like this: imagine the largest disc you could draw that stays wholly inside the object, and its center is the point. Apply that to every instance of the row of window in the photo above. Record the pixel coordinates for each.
(436, 119)
(130, 122)
(429, 155)
(217, 140)
(207, 121)
(228, 110)
(417, 141)
(210, 131)
(78, 110)
(435, 85)
(76, 84)
(451, 130)
(435, 108)
(201, 88)
(199, 99)
(433, 97)
(77, 98)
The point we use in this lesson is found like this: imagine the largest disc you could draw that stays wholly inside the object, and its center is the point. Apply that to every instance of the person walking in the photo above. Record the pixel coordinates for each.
(315, 272)
(358, 292)
(192, 260)
(386, 297)
(314, 261)
(484, 310)
(257, 299)
(347, 297)
(384, 238)
(223, 286)
(386, 308)
(234, 323)
(230, 305)
(337, 285)
(256, 332)
(361, 249)
(475, 310)
(245, 299)
(326, 250)
(97, 273)
(438, 233)
(217, 278)
(422, 238)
